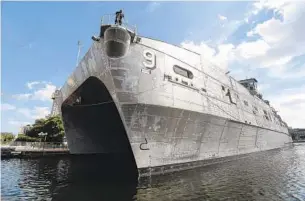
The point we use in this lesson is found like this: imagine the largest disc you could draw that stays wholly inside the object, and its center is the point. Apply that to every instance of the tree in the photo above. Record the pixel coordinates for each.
(36, 128)
(53, 126)
(25, 138)
(7, 137)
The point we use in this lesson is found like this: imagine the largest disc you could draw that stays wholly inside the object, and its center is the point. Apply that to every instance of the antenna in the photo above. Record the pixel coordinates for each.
(79, 47)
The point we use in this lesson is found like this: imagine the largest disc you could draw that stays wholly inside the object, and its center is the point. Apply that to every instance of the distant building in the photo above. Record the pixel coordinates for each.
(297, 134)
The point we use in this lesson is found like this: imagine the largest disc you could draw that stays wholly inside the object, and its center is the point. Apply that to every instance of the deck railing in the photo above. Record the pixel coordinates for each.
(39, 145)
(109, 19)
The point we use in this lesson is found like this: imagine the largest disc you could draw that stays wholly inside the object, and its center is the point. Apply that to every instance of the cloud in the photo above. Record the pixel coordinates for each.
(22, 96)
(18, 123)
(35, 113)
(285, 72)
(272, 49)
(263, 87)
(40, 112)
(279, 40)
(6, 106)
(36, 84)
(218, 57)
(31, 84)
(291, 105)
(43, 93)
(260, 5)
(25, 112)
(248, 50)
(152, 6)
(222, 18)
(39, 91)
(25, 116)
(229, 27)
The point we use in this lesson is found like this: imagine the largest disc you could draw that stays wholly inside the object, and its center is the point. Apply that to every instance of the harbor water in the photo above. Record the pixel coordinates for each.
(270, 175)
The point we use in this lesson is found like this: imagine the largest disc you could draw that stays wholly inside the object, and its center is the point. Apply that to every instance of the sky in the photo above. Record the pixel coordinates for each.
(264, 40)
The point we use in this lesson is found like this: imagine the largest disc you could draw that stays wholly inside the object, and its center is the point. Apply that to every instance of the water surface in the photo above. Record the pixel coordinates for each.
(271, 175)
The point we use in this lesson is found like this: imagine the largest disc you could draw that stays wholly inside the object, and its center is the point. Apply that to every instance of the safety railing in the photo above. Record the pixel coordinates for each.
(109, 19)
(39, 145)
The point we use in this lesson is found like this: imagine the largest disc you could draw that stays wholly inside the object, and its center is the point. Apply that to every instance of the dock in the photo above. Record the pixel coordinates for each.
(31, 151)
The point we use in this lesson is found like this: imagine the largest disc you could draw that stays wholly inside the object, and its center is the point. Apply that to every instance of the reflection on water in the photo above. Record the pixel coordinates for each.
(271, 175)
(67, 178)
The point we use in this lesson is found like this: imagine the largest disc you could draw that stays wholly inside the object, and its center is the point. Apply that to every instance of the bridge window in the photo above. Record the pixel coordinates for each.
(181, 71)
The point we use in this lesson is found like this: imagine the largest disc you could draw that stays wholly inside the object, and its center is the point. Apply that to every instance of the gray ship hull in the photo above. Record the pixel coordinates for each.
(129, 105)
(173, 136)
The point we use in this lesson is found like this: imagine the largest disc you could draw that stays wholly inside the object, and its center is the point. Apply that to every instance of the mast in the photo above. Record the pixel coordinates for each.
(78, 53)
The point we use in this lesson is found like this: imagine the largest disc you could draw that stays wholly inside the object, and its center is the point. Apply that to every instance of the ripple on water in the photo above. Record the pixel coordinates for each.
(272, 175)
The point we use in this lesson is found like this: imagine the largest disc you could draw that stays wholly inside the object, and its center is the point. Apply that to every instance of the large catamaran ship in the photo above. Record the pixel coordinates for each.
(162, 104)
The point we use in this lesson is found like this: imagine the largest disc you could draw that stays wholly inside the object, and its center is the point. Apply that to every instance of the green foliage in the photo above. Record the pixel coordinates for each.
(53, 126)
(6, 137)
(55, 129)
(36, 128)
(24, 138)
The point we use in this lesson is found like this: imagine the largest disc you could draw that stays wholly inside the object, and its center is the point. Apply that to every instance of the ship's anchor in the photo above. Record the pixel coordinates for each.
(143, 144)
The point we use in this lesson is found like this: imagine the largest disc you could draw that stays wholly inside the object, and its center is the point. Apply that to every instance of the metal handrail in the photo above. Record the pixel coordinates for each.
(109, 19)
(37, 145)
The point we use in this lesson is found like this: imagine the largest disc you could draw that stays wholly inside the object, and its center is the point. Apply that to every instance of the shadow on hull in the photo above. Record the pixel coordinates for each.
(93, 125)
